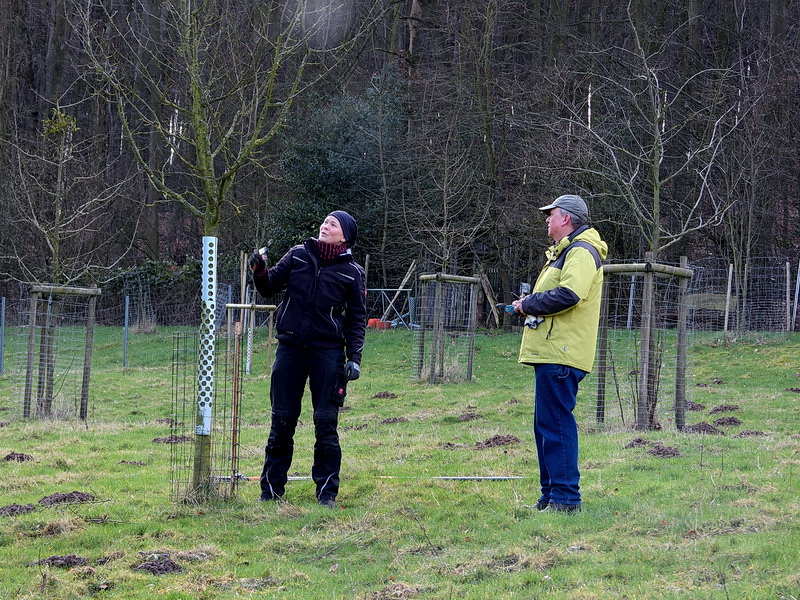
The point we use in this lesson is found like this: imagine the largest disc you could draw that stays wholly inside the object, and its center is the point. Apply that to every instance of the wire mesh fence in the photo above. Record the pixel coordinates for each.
(391, 307)
(754, 295)
(762, 294)
(720, 297)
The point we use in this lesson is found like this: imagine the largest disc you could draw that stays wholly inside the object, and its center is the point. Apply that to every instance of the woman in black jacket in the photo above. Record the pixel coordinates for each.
(320, 329)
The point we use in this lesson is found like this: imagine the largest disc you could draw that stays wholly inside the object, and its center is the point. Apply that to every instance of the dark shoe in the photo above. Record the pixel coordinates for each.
(540, 505)
(265, 497)
(563, 508)
(327, 502)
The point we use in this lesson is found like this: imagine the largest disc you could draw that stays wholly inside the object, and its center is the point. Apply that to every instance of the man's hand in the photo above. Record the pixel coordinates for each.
(257, 264)
(352, 371)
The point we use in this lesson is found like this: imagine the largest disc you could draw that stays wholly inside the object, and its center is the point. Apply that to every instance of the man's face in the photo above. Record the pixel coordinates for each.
(559, 224)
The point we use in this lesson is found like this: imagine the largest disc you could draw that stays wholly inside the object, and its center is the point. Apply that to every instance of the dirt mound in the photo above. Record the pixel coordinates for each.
(749, 433)
(469, 416)
(196, 555)
(160, 566)
(104, 560)
(723, 408)
(17, 457)
(703, 428)
(498, 440)
(355, 427)
(173, 439)
(728, 421)
(16, 509)
(68, 498)
(637, 443)
(385, 394)
(452, 446)
(392, 420)
(662, 451)
(395, 591)
(64, 562)
(695, 406)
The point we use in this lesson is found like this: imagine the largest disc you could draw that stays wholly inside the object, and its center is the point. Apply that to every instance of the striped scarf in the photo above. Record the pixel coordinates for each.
(327, 252)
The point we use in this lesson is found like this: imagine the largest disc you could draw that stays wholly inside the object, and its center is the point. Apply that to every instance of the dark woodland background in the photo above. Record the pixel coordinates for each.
(131, 128)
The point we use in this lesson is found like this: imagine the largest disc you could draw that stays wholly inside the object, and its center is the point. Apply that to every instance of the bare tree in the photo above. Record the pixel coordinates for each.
(64, 213)
(648, 136)
(444, 210)
(644, 130)
(215, 85)
(213, 81)
(753, 169)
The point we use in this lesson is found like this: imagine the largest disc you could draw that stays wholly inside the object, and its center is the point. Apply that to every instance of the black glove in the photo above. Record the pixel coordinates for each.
(257, 264)
(352, 371)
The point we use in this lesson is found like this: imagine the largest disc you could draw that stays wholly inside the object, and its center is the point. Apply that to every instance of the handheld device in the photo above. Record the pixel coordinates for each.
(507, 308)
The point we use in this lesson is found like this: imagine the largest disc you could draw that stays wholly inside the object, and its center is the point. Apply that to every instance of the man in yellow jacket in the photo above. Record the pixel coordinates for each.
(559, 338)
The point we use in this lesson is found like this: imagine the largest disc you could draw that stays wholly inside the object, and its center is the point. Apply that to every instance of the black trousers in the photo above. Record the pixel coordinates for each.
(294, 366)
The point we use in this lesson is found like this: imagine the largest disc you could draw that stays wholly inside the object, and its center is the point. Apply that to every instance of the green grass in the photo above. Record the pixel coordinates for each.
(720, 521)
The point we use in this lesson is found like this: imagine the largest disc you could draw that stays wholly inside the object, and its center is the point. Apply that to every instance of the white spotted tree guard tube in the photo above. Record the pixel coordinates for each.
(205, 371)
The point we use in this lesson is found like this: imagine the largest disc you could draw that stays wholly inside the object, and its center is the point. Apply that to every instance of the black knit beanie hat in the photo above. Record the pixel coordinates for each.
(349, 227)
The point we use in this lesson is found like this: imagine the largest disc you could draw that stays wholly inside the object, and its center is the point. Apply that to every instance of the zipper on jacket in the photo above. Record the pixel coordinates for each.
(550, 330)
(288, 301)
(335, 324)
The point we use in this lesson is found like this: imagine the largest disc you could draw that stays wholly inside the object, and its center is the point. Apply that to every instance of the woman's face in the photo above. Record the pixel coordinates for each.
(330, 232)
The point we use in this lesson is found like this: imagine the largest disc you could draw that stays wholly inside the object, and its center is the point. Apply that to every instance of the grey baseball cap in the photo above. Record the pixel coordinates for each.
(569, 202)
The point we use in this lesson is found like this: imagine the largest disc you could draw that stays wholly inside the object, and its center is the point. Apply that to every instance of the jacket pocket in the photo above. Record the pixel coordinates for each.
(549, 335)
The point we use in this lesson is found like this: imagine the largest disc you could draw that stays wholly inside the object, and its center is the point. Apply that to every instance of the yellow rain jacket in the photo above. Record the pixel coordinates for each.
(565, 303)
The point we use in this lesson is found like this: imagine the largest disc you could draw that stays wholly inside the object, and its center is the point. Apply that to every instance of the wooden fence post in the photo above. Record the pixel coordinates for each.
(680, 359)
(87, 356)
(602, 355)
(644, 357)
(26, 402)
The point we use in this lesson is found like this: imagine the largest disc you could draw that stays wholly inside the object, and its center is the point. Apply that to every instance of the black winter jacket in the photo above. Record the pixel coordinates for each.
(324, 305)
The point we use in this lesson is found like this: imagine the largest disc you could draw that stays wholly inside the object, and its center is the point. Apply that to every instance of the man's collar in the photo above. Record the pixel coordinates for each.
(577, 232)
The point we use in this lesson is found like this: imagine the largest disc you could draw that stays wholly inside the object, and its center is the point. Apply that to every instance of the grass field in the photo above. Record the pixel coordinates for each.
(673, 515)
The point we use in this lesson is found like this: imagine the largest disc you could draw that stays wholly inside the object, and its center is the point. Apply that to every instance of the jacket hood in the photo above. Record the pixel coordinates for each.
(586, 234)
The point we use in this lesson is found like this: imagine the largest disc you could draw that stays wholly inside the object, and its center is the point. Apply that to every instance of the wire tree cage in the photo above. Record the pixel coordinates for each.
(53, 352)
(221, 451)
(232, 357)
(446, 315)
(641, 366)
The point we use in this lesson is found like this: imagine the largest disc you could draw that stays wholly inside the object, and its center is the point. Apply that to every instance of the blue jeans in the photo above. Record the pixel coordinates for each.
(556, 432)
(293, 366)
